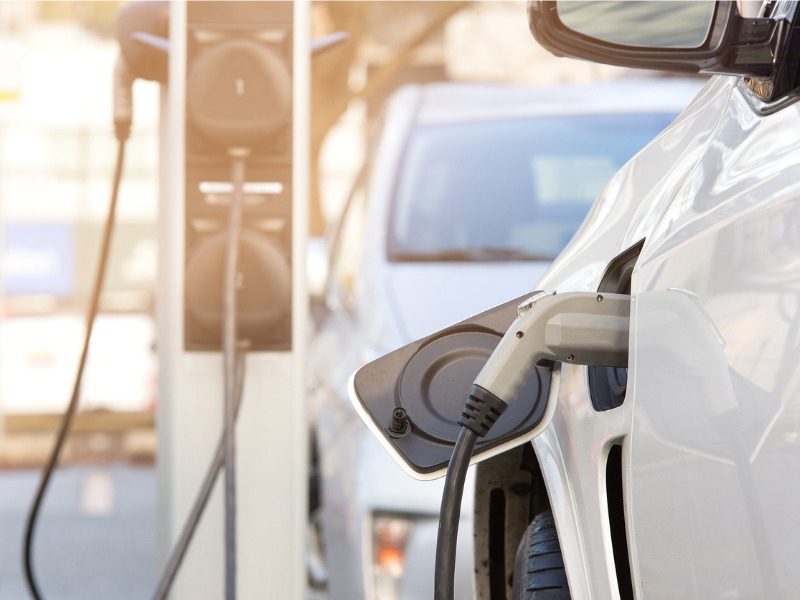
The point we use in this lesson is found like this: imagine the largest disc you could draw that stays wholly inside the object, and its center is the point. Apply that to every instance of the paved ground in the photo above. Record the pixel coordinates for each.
(96, 538)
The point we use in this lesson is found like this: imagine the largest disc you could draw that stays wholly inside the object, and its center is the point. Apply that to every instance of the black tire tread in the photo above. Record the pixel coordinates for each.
(539, 572)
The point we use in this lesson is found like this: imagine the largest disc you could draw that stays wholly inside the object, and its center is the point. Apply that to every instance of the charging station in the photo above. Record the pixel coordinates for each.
(238, 89)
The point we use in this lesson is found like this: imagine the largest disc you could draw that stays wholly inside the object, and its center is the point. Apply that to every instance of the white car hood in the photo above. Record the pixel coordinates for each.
(427, 297)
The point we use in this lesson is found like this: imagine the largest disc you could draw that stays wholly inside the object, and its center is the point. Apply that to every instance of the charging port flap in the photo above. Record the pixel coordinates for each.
(412, 398)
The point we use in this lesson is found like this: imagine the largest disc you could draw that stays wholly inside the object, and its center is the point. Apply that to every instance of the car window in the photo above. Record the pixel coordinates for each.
(507, 189)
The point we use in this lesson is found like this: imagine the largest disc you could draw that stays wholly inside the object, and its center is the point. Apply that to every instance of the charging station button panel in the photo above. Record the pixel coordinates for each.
(238, 100)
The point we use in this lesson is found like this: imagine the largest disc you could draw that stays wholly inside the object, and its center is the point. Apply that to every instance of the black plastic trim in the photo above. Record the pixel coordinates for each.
(607, 385)
(616, 522)
(497, 544)
(482, 410)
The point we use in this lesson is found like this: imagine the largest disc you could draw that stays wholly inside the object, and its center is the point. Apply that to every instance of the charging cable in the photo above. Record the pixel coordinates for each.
(233, 364)
(233, 360)
(582, 328)
(178, 552)
(123, 81)
(230, 283)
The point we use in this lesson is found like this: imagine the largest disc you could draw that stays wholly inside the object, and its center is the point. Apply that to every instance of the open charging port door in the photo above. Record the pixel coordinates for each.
(412, 398)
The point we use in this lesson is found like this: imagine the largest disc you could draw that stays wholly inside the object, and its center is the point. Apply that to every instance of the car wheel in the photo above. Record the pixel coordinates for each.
(539, 572)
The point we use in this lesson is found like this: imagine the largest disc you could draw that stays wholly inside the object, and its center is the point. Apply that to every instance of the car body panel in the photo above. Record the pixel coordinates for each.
(572, 450)
(709, 425)
(715, 430)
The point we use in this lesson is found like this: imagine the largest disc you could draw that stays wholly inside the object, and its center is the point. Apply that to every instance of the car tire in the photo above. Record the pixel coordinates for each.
(539, 572)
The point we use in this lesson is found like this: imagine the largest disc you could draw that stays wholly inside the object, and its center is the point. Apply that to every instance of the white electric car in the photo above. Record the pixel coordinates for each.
(678, 478)
(468, 194)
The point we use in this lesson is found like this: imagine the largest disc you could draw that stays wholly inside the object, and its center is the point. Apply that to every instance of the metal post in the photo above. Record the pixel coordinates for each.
(271, 431)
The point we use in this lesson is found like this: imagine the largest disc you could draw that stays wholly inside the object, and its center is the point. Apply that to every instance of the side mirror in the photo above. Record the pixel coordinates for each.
(317, 269)
(676, 25)
(704, 36)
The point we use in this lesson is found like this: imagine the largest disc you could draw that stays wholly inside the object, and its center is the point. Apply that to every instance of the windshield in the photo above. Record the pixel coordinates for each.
(514, 189)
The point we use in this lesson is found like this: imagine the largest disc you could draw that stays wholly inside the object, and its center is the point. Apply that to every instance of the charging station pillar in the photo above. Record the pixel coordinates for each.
(271, 430)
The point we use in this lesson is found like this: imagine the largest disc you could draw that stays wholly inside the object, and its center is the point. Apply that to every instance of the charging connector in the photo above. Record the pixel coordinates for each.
(123, 99)
(577, 327)
(584, 328)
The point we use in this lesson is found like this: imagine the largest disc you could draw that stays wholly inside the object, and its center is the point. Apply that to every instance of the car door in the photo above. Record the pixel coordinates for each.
(711, 477)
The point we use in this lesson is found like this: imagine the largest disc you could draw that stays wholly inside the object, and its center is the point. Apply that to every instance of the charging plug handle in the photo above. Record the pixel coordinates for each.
(584, 328)
(122, 99)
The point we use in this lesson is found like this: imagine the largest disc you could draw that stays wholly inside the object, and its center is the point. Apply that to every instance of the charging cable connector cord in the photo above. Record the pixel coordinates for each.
(584, 328)
(229, 355)
(224, 459)
(123, 114)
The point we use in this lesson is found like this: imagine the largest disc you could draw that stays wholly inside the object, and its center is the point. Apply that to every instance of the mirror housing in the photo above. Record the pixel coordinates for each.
(735, 45)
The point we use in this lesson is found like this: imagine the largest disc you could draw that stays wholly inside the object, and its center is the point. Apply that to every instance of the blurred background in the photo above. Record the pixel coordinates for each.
(98, 534)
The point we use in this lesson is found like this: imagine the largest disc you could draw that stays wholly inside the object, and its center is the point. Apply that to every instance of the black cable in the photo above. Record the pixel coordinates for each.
(225, 453)
(229, 285)
(201, 500)
(449, 514)
(480, 413)
(69, 413)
